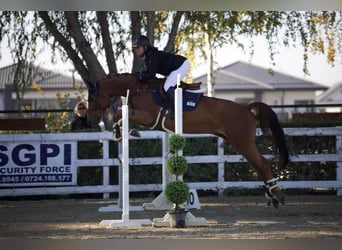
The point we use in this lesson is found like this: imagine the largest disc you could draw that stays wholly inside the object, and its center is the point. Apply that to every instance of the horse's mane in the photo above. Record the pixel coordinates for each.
(151, 81)
(119, 75)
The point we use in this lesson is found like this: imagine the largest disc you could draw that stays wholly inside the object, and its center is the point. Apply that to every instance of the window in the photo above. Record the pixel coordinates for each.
(244, 100)
(303, 106)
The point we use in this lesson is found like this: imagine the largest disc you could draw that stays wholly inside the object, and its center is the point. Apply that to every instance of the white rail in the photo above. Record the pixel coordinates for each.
(220, 158)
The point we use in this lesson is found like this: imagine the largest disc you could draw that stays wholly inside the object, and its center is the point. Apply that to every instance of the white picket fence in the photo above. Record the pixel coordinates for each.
(220, 159)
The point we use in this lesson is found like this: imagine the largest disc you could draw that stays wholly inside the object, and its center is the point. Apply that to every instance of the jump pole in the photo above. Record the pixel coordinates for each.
(190, 219)
(178, 108)
(125, 221)
(160, 203)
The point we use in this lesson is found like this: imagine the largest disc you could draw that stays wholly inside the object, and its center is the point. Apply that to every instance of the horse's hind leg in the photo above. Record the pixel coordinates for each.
(262, 166)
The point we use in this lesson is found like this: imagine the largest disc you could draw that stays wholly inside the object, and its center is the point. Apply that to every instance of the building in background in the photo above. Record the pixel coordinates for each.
(47, 90)
(333, 96)
(244, 83)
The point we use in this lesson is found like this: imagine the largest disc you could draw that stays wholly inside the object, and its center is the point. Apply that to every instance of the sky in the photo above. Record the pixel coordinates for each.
(287, 60)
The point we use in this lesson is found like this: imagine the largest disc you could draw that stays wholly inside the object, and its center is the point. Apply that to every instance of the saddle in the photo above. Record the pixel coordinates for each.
(194, 86)
(190, 86)
(190, 99)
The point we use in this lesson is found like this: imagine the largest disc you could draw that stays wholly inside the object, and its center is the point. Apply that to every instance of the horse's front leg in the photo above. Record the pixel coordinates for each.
(133, 132)
(117, 135)
(117, 117)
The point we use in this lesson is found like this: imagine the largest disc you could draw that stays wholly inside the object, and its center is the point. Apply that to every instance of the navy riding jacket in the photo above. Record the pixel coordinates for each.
(160, 62)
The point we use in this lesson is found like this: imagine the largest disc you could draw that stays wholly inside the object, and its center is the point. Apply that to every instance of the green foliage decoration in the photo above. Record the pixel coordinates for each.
(177, 192)
(176, 143)
(176, 165)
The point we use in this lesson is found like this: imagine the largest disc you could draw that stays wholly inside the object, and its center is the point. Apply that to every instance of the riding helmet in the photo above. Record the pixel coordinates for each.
(141, 40)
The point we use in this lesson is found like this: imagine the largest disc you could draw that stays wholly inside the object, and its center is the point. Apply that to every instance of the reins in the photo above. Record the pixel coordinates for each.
(95, 91)
(142, 89)
(136, 89)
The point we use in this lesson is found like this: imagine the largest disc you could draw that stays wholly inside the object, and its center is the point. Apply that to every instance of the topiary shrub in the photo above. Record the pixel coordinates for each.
(176, 143)
(176, 165)
(177, 191)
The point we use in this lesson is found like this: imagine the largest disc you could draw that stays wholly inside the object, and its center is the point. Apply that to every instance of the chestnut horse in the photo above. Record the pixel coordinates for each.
(234, 122)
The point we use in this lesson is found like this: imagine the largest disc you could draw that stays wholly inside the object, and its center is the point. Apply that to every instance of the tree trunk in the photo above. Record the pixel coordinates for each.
(136, 31)
(150, 26)
(72, 54)
(107, 42)
(210, 82)
(170, 46)
(96, 71)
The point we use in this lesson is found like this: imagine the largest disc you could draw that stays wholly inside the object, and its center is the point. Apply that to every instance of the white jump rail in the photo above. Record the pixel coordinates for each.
(220, 159)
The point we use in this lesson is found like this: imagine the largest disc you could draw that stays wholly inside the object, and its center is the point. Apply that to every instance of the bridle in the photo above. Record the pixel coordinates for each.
(93, 91)
(142, 88)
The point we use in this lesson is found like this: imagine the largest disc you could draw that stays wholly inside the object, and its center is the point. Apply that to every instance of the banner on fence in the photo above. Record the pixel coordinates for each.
(37, 164)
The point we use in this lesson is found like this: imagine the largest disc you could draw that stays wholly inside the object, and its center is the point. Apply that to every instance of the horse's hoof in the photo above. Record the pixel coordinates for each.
(282, 200)
(117, 138)
(134, 132)
(275, 201)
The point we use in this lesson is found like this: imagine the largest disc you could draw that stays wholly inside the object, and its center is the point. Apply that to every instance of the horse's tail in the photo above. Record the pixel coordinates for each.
(271, 128)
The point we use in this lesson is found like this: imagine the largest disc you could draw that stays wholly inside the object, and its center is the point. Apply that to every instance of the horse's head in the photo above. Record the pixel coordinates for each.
(101, 94)
(97, 103)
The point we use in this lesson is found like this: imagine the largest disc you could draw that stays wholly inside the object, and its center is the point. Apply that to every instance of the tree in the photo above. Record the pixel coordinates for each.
(317, 32)
(217, 28)
(157, 26)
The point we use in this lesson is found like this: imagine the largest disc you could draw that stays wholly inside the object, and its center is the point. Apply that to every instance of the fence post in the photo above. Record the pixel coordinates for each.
(339, 164)
(220, 166)
(167, 177)
(120, 175)
(105, 177)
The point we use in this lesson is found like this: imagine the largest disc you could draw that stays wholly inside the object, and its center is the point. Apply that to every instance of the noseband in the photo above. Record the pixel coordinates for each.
(93, 88)
(94, 91)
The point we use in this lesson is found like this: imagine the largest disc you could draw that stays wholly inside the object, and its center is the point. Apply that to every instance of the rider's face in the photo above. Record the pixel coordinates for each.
(139, 50)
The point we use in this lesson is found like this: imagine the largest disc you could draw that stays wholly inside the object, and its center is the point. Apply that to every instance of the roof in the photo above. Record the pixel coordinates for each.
(46, 79)
(241, 76)
(332, 95)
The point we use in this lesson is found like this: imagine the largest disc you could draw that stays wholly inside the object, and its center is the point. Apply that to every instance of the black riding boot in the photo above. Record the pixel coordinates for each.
(171, 95)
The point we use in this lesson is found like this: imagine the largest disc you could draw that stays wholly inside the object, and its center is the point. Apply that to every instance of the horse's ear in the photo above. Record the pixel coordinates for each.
(89, 83)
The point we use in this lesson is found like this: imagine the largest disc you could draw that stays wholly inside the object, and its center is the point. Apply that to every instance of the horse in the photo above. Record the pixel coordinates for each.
(234, 122)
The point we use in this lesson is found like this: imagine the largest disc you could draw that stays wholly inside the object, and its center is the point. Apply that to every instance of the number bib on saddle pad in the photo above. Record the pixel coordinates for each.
(190, 99)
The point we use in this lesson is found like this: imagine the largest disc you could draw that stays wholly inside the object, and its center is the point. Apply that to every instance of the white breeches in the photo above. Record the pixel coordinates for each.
(171, 80)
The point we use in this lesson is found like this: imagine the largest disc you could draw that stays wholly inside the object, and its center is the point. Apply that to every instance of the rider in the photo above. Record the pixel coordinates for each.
(164, 63)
